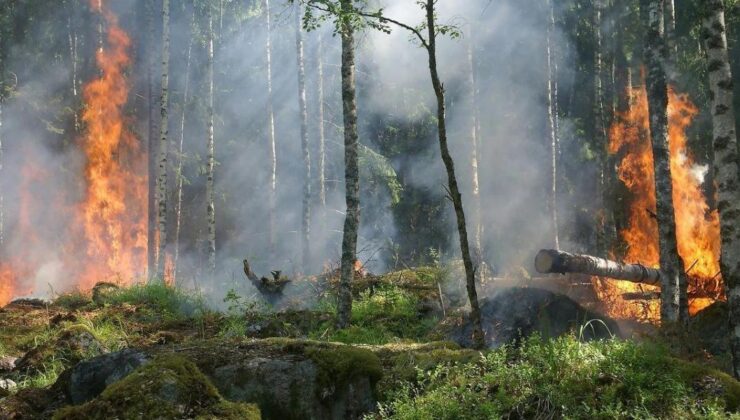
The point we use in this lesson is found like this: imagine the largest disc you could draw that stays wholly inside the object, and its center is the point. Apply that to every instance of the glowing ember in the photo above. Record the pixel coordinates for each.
(697, 228)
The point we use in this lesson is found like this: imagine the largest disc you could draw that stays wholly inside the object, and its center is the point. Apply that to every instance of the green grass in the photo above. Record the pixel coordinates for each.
(162, 300)
(564, 378)
(390, 314)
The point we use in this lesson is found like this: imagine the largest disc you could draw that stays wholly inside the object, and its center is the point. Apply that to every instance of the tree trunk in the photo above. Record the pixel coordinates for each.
(152, 238)
(605, 221)
(673, 279)
(272, 195)
(351, 168)
(670, 38)
(474, 142)
(210, 156)
(454, 191)
(180, 178)
(73, 59)
(322, 131)
(552, 128)
(554, 261)
(162, 151)
(306, 216)
(726, 166)
(4, 45)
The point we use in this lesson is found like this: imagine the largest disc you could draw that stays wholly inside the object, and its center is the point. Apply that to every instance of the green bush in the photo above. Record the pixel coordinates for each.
(565, 378)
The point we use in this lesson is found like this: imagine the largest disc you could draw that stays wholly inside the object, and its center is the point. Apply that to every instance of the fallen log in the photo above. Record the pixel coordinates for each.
(554, 261)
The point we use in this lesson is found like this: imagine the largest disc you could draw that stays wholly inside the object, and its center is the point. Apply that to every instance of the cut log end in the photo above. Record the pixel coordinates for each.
(545, 260)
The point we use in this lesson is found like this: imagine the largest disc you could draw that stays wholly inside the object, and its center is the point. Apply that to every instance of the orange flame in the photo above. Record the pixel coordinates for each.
(113, 214)
(106, 237)
(697, 228)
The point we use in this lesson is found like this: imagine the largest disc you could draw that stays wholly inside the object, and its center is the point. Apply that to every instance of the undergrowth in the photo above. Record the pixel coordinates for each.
(566, 378)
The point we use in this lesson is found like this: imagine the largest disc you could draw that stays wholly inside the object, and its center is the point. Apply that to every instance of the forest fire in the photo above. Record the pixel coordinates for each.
(697, 228)
(114, 211)
(105, 238)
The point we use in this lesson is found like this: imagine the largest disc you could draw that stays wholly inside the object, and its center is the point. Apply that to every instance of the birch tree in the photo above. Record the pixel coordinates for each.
(180, 151)
(726, 164)
(272, 194)
(210, 152)
(552, 126)
(302, 109)
(163, 138)
(152, 238)
(670, 262)
(322, 131)
(474, 152)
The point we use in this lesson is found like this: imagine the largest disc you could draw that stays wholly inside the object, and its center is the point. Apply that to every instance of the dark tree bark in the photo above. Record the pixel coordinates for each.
(351, 166)
(431, 47)
(726, 164)
(673, 283)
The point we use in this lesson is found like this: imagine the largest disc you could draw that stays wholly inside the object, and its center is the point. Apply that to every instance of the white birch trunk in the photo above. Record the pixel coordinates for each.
(302, 108)
(726, 164)
(210, 156)
(162, 151)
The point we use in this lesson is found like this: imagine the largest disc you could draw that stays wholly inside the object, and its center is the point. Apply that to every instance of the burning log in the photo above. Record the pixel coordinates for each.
(553, 261)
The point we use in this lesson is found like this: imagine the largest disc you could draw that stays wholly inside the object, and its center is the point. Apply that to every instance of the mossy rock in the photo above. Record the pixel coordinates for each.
(341, 365)
(711, 383)
(169, 387)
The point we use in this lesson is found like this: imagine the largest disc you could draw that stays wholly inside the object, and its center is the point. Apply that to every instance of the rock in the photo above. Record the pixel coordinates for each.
(89, 379)
(102, 290)
(7, 363)
(169, 387)
(6, 387)
(7, 384)
(515, 313)
(293, 378)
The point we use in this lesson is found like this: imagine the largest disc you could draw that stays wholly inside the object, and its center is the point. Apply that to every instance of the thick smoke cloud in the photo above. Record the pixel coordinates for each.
(393, 81)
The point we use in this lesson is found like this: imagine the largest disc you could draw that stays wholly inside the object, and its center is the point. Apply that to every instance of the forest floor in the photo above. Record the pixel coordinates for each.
(152, 351)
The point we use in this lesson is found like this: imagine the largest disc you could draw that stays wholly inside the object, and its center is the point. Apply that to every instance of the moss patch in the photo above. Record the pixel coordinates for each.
(710, 383)
(340, 365)
(167, 387)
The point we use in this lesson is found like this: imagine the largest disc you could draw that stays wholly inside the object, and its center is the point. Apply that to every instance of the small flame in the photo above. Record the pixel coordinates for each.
(697, 228)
